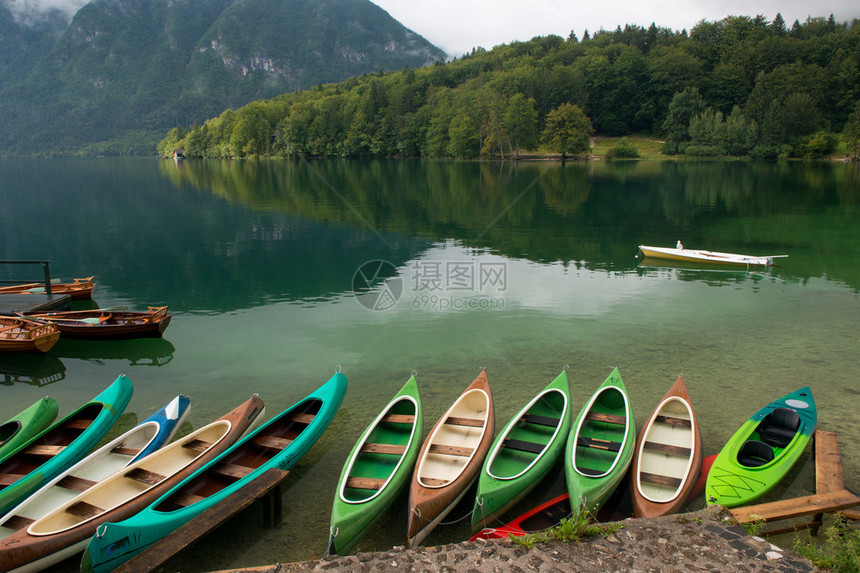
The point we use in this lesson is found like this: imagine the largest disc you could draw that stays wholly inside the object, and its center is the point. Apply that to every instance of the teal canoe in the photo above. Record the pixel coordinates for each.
(601, 444)
(279, 443)
(523, 452)
(377, 469)
(762, 451)
(58, 447)
(20, 429)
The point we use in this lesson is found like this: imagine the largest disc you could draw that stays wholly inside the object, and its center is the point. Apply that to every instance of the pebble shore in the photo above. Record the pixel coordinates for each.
(705, 540)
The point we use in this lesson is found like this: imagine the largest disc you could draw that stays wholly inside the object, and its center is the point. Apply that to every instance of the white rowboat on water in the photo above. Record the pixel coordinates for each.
(682, 254)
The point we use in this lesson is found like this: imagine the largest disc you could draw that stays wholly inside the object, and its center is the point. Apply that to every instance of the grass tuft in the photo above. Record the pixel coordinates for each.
(574, 528)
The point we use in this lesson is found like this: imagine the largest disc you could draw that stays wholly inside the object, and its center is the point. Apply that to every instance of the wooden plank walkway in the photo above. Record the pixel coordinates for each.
(12, 303)
(830, 493)
(265, 486)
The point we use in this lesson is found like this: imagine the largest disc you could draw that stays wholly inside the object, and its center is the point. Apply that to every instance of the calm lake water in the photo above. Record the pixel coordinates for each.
(519, 268)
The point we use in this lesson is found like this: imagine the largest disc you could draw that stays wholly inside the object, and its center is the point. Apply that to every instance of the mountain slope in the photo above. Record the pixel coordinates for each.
(125, 70)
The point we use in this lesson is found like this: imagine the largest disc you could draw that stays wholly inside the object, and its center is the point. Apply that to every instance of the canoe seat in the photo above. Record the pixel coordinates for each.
(598, 444)
(398, 419)
(365, 483)
(75, 483)
(185, 499)
(672, 421)
(271, 442)
(84, 510)
(471, 422)
(541, 420)
(779, 427)
(80, 424)
(197, 445)
(668, 449)
(232, 471)
(523, 446)
(18, 522)
(754, 454)
(607, 418)
(41, 450)
(145, 476)
(125, 451)
(660, 480)
(9, 479)
(590, 472)
(433, 481)
(393, 449)
(450, 450)
(302, 418)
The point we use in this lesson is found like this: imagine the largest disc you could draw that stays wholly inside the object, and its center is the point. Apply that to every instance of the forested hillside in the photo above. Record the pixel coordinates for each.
(124, 71)
(739, 86)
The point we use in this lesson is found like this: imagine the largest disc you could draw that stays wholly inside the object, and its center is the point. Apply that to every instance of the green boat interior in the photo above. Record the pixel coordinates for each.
(601, 434)
(770, 438)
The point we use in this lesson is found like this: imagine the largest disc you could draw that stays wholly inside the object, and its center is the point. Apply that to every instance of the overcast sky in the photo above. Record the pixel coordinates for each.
(456, 26)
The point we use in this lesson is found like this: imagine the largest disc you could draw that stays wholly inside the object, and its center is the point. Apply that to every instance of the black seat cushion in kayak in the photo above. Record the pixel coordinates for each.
(754, 454)
(779, 427)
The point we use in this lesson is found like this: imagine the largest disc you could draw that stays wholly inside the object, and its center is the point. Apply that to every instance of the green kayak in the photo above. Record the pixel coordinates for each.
(20, 429)
(523, 452)
(58, 447)
(377, 469)
(762, 451)
(601, 443)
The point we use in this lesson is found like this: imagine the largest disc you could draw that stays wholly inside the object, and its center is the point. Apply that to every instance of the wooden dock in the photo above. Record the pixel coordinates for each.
(830, 494)
(33, 302)
(267, 487)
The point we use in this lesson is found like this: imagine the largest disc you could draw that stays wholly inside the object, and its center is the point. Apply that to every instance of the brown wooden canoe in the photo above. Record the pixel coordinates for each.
(67, 529)
(105, 324)
(451, 458)
(21, 335)
(80, 289)
(668, 456)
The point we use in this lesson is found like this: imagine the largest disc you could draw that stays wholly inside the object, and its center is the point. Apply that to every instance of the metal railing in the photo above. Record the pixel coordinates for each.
(46, 267)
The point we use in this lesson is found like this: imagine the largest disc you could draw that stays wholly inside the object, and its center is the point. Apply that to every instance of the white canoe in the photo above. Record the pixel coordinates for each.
(692, 255)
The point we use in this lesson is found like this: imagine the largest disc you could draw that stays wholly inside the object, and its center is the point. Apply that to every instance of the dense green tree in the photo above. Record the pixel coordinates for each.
(568, 131)
(851, 133)
(684, 107)
(520, 123)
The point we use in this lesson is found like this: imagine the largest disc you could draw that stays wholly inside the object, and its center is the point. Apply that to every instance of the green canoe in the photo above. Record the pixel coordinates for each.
(601, 443)
(377, 469)
(58, 447)
(20, 429)
(279, 443)
(762, 451)
(523, 452)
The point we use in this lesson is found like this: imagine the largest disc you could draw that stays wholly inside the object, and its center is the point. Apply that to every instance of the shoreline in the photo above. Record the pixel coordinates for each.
(705, 540)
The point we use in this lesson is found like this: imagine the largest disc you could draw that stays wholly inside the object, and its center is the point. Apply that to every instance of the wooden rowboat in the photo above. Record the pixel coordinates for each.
(108, 324)
(451, 458)
(131, 446)
(600, 447)
(58, 447)
(20, 429)
(21, 335)
(279, 443)
(80, 289)
(523, 452)
(65, 530)
(692, 255)
(762, 451)
(542, 517)
(377, 469)
(668, 456)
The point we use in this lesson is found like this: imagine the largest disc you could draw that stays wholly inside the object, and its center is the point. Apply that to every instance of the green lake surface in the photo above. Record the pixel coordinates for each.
(520, 268)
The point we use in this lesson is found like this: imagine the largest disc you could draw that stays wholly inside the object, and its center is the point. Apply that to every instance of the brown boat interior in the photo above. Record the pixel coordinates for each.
(251, 454)
(48, 445)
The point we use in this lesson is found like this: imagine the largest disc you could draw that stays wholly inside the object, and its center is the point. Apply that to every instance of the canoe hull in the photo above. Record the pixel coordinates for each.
(732, 484)
(20, 429)
(355, 510)
(598, 452)
(542, 517)
(668, 456)
(61, 533)
(263, 449)
(26, 336)
(96, 418)
(523, 452)
(699, 256)
(442, 479)
(109, 324)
